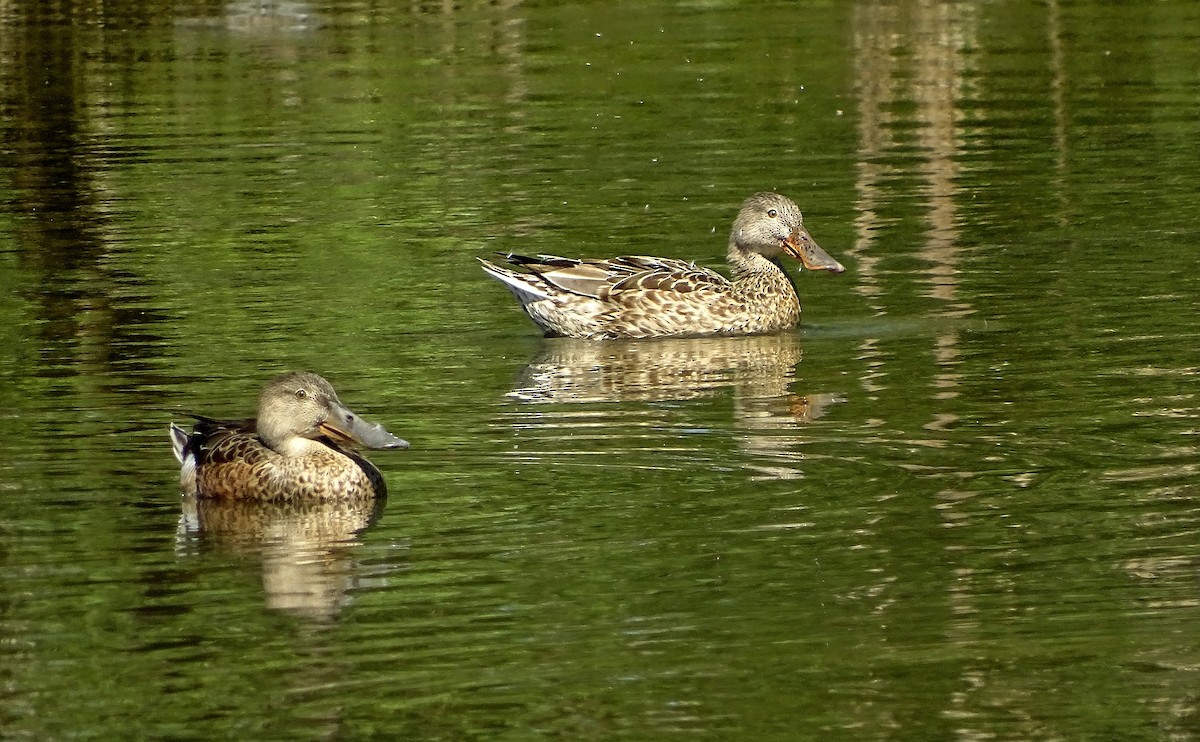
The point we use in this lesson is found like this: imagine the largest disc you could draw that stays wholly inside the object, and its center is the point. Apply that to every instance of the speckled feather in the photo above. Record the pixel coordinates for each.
(637, 296)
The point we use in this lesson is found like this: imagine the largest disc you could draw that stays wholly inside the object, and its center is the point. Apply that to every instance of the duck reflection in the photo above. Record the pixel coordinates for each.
(760, 370)
(261, 18)
(570, 370)
(270, 16)
(306, 548)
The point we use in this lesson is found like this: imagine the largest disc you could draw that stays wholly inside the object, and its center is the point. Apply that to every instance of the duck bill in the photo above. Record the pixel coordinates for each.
(345, 426)
(801, 246)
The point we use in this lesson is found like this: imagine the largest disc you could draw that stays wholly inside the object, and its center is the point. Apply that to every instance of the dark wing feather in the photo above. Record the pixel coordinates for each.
(538, 262)
(222, 441)
(583, 277)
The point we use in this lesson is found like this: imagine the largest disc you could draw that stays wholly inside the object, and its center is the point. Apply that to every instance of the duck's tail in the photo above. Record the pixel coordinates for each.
(180, 440)
(527, 287)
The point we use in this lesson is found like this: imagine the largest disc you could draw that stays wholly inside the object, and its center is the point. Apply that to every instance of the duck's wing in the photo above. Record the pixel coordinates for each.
(603, 279)
(555, 274)
(666, 275)
(215, 441)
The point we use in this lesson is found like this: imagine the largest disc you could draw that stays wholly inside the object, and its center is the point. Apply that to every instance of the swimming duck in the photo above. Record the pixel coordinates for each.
(292, 450)
(636, 296)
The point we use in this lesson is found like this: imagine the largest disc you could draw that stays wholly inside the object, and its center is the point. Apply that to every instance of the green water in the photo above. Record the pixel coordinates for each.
(961, 502)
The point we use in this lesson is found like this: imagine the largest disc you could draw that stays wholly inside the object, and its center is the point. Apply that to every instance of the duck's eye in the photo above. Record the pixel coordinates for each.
(772, 213)
(301, 394)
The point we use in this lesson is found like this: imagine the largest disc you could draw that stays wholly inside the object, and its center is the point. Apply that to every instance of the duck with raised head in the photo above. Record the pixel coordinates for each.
(635, 296)
(295, 449)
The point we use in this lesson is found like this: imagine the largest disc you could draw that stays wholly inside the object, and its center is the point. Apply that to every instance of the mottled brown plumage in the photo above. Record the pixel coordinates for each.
(292, 450)
(636, 296)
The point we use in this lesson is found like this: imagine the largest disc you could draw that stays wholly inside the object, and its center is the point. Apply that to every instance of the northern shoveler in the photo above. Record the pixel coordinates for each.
(635, 296)
(292, 450)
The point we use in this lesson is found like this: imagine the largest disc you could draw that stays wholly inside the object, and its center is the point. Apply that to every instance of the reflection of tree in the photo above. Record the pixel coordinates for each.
(306, 548)
(914, 52)
(759, 370)
(910, 59)
(931, 38)
(92, 318)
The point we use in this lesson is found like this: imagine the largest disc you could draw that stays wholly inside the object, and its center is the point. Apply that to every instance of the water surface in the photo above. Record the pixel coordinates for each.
(960, 502)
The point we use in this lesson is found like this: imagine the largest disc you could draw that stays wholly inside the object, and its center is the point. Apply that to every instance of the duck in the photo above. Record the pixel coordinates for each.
(638, 296)
(294, 450)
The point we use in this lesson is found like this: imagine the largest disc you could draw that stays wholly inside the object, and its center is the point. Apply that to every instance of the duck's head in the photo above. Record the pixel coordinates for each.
(302, 405)
(770, 224)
